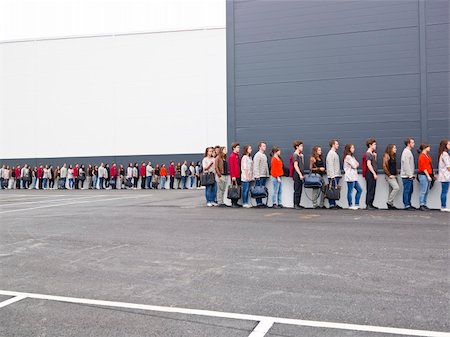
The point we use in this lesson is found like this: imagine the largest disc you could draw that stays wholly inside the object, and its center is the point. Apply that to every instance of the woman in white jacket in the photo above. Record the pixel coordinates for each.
(246, 174)
(351, 176)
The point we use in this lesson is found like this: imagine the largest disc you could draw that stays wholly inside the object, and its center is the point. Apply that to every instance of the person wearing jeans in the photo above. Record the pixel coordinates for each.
(425, 172)
(333, 169)
(247, 174)
(184, 175)
(209, 167)
(407, 173)
(444, 172)
(260, 169)
(390, 171)
(351, 176)
(163, 173)
(276, 173)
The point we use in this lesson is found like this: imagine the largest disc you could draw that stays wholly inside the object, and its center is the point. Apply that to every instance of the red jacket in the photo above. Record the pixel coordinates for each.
(143, 170)
(171, 170)
(233, 163)
(113, 171)
(18, 169)
(75, 172)
(40, 173)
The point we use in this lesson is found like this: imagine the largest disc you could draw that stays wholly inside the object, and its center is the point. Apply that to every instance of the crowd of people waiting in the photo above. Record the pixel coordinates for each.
(249, 174)
(103, 176)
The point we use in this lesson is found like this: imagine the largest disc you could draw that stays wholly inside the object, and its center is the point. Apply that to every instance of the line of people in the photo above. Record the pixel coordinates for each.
(103, 176)
(249, 173)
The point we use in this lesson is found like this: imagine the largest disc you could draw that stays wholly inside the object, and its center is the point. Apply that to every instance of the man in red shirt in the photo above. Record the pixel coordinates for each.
(40, 176)
(172, 174)
(18, 169)
(75, 175)
(235, 168)
(113, 174)
(143, 171)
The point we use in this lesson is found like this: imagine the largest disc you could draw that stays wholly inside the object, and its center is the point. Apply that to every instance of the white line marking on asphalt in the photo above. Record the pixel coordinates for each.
(72, 203)
(261, 329)
(11, 301)
(49, 200)
(245, 317)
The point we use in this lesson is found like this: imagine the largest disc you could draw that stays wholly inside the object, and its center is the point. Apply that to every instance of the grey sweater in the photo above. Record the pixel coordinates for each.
(407, 165)
(260, 165)
(333, 165)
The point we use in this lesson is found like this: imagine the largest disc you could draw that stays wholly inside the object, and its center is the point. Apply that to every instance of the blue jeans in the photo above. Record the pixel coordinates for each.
(408, 187)
(192, 179)
(94, 182)
(44, 182)
(163, 182)
(444, 192)
(245, 189)
(71, 183)
(424, 188)
(277, 191)
(350, 186)
(148, 181)
(183, 181)
(260, 182)
(334, 182)
(210, 194)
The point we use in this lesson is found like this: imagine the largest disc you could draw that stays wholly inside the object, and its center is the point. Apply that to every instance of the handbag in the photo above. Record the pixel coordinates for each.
(313, 180)
(234, 191)
(207, 179)
(177, 175)
(333, 192)
(259, 192)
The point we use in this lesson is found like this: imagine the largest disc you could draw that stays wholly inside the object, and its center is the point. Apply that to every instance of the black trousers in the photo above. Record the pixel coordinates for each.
(18, 183)
(239, 183)
(371, 185)
(172, 180)
(40, 183)
(77, 181)
(143, 182)
(298, 188)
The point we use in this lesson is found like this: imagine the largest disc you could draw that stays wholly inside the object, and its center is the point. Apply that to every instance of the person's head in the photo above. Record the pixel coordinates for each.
(409, 143)
(316, 152)
(192, 163)
(276, 151)
(349, 150)
(70, 166)
(262, 147)
(235, 147)
(171, 162)
(185, 162)
(157, 166)
(76, 165)
(247, 150)
(298, 145)
(424, 148)
(163, 165)
(334, 144)
(224, 150)
(216, 149)
(208, 151)
(444, 146)
(371, 144)
(391, 150)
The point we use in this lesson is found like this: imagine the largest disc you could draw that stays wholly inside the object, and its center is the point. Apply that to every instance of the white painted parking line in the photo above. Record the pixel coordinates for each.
(261, 329)
(49, 200)
(245, 317)
(72, 203)
(11, 301)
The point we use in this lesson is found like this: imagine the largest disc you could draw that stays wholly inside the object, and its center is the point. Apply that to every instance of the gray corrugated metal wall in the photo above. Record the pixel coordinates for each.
(316, 70)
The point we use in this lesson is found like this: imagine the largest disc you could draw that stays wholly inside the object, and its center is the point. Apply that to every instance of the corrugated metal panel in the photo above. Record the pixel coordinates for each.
(316, 70)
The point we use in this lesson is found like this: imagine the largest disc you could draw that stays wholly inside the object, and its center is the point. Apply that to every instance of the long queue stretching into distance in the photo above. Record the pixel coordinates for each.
(250, 174)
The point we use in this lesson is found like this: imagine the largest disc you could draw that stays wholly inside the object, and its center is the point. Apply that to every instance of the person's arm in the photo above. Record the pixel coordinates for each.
(386, 165)
(297, 169)
(312, 165)
(218, 168)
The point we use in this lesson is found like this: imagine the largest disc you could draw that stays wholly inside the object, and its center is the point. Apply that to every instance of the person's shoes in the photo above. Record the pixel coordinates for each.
(274, 206)
(234, 206)
(423, 209)
(410, 208)
(299, 207)
(353, 208)
(280, 206)
(262, 206)
(445, 209)
(332, 207)
(338, 207)
(209, 204)
(222, 205)
(371, 208)
(323, 207)
(215, 204)
(427, 207)
(246, 206)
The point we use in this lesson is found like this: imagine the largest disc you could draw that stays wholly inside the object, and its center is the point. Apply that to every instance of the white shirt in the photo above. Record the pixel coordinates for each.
(351, 168)
(444, 164)
(247, 169)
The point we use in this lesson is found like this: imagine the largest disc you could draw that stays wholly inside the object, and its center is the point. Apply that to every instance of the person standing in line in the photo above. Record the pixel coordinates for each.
(299, 171)
(444, 172)
(148, 175)
(260, 170)
(130, 176)
(155, 177)
(106, 176)
(40, 177)
(18, 177)
(113, 172)
(82, 176)
(425, 175)
(8, 177)
(64, 172)
(371, 173)
(24, 176)
(247, 174)
(351, 176)
(56, 177)
(2, 178)
(143, 174)
(192, 175)
(317, 166)
(235, 170)
(122, 175)
(51, 177)
(221, 175)
(101, 176)
(163, 173)
(276, 174)
(89, 176)
(76, 170)
(390, 171)
(95, 177)
(70, 177)
(198, 171)
(407, 173)
(135, 176)
(13, 177)
(45, 178)
(209, 167)
(333, 169)
(178, 174)
(172, 174)
(184, 175)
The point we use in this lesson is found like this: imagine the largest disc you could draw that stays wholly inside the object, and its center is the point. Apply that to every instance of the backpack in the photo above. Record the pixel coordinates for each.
(364, 164)
(291, 166)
